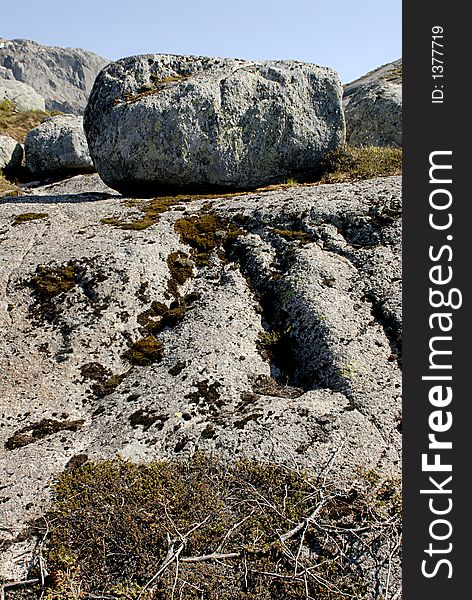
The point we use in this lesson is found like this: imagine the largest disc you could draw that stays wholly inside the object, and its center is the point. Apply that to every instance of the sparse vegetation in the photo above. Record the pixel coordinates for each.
(202, 528)
(8, 188)
(292, 235)
(17, 123)
(353, 164)
(206, 232)
(158, 81)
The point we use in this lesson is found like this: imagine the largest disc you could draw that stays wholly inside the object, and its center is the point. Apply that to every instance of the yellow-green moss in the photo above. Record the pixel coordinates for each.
(49, 282)
(293, 235)
(111, 525)
(27, 217)
(145, 351)
(206, 232)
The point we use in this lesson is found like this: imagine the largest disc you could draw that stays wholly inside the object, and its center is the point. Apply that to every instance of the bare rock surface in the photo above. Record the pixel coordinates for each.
(21, 94)
(57, 145)
(62, 76)
(184, 121)
(373, 107)
(278, 335)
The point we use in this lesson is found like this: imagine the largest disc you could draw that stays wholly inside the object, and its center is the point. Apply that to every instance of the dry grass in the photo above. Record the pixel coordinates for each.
(16, 123)
(8, 188)
(353, 164)
(201, 528)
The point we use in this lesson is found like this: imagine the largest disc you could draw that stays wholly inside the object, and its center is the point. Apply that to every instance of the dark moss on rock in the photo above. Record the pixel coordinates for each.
(38, 431)
(147, 418)
(105, 382)
(205, 233)
(145, 351)
(49, 282)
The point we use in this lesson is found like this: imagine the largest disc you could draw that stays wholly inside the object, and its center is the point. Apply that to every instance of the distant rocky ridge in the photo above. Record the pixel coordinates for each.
(390, 73)
(62, 76)
(373, 107)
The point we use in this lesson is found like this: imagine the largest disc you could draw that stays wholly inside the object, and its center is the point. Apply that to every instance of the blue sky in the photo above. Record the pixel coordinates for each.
(350, 36)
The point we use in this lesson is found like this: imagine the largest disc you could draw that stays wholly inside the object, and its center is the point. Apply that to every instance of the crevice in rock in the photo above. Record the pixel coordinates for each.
(390, 324)
(280, 342)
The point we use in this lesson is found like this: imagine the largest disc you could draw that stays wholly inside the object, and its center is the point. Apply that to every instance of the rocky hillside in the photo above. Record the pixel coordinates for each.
(389, 73)
(62, 76)
(373, 107)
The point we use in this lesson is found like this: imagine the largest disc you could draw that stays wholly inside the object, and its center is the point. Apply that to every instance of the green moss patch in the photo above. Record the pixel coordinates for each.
(202, 528)
(49, 282)
(206, 232)
(145, 351)
(151, 211)
(180, 267)
(293, 235)
(354, 164)
(27, 217)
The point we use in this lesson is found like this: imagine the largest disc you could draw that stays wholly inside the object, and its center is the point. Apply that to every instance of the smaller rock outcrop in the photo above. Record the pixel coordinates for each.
(188, 121)
(21, 94)
(373, 107)
(11, 153)
(58, 146)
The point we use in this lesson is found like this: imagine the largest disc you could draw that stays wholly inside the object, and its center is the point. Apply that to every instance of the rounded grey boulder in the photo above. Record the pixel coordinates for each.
(11, 153)
(374, 115)
(185, 121)
(21, 94)
(58, 145)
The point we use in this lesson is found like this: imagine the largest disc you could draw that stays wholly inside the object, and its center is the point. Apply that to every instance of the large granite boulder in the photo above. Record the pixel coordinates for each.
(58, 146)
(11, 153)
(373, 107)
(21, 94)
(62, 76)
(167, 120)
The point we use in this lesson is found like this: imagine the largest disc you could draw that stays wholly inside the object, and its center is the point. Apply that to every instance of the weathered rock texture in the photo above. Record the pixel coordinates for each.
(11, 153)
(58, 145)
(21, 94)
(122, 340)
(373, 107)
(166, 120)
(62, 76)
